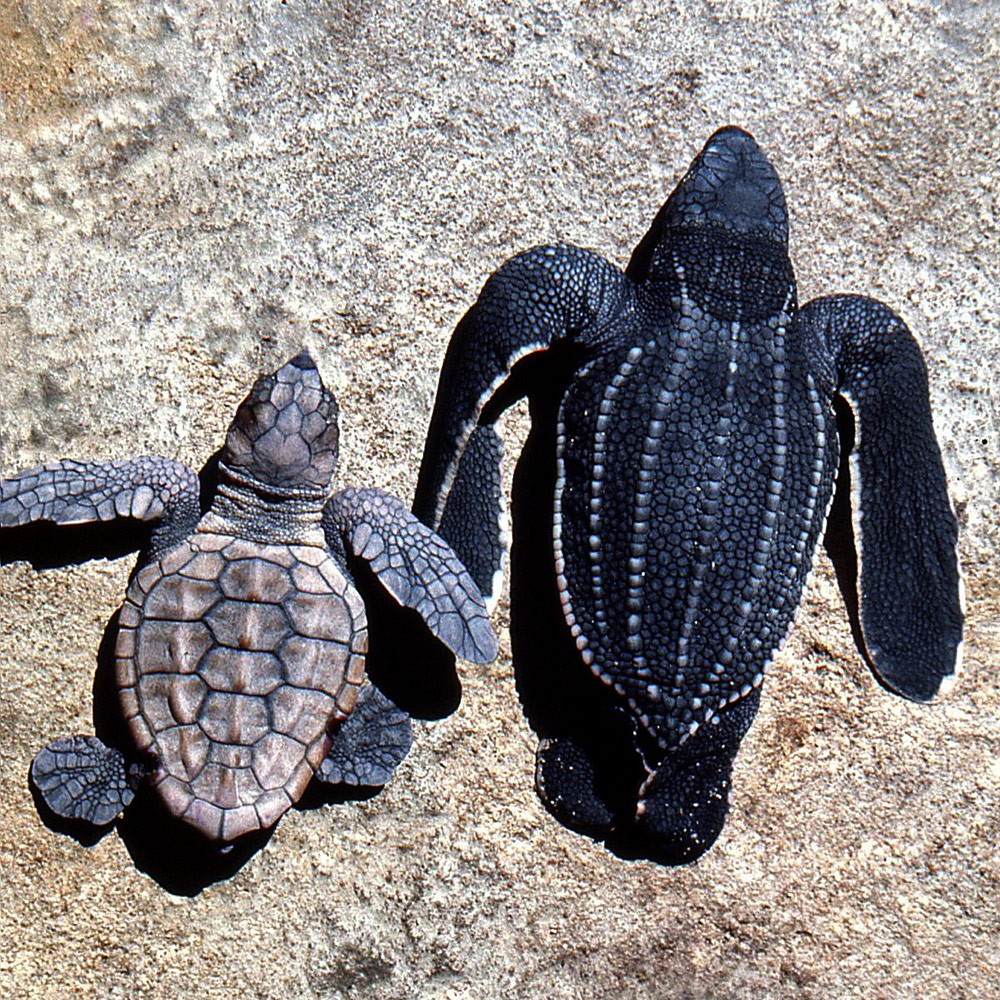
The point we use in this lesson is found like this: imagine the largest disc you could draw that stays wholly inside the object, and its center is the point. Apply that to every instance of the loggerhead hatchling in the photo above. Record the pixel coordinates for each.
(240, 652)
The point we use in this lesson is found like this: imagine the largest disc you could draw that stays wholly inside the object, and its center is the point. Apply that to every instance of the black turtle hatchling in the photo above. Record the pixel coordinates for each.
(694, 454)
(240, 650)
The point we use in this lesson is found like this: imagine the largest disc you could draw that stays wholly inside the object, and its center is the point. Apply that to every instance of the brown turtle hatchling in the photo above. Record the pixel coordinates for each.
(240, 653)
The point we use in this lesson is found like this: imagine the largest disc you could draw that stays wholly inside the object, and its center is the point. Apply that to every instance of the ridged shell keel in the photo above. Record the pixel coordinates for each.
(681, 569)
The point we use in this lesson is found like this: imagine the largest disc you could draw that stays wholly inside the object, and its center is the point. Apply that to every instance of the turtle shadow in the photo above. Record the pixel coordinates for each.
(176, 856)
(838, 537)
(44, 545)
(405, 660)
(560, 696)
(173, 854)
(558, 693)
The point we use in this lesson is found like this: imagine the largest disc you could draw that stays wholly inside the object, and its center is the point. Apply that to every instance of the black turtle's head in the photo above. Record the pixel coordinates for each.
(285, 432)
(731, 184)
(724, 231)
(730, 188)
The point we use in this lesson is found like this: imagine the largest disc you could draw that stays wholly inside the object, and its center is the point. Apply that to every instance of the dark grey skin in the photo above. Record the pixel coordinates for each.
(240, 647)
(696, 450)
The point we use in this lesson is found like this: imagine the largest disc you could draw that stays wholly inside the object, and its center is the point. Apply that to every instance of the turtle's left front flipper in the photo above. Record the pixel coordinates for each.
(905, 533)
(157, 490)
(415, 565)
(560, 301)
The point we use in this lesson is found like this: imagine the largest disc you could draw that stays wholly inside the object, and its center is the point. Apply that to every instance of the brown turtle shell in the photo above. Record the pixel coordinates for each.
(235, 660)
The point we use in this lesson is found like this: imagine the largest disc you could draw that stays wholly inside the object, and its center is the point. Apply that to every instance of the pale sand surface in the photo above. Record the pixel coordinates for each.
(190, 192)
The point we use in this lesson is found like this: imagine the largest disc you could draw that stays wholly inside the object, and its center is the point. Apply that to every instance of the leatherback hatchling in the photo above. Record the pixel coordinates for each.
(240, 650)
(692, 461)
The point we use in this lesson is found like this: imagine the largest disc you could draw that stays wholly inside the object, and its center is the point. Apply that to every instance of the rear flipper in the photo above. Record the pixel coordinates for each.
(80, 778)
(473, 518)
(682, 806)
(909, 625)
(370, 744)
(589, 780)
(417, 567)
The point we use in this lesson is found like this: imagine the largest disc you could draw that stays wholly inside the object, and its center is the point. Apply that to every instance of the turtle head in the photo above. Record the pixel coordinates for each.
(731, 184)
(285, 432)
(730, 188)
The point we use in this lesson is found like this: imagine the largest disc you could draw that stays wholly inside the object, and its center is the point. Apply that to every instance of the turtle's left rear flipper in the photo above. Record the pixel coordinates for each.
(80, 778)
(370, 744)
(909, 624)
(415, 565)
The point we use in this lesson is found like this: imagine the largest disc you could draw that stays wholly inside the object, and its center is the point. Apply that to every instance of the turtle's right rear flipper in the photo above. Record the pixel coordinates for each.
(370, 744)
(79, 778)
(149, 488)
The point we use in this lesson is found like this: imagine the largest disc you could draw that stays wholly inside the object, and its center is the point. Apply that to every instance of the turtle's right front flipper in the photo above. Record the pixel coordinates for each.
(149, 488)
(414, 565)
(538, 299)
(909, 620)
(79, 778)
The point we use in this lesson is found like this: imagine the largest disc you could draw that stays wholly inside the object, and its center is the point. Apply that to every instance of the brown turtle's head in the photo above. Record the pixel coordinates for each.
(285, 432)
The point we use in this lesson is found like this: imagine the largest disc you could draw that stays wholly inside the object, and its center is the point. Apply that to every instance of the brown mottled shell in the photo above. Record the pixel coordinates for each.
(233, 660)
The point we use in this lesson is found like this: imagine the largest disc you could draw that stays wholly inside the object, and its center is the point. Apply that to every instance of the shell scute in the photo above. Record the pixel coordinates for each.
(186, 744)
(242, 671)
(252, 579)
(176, 647)
(293, 709)
(248, 624)
(176, 598)
(185, 698)
(237, 705)
(234, 719)
(276, 758)
(320, 616)
(203, 565)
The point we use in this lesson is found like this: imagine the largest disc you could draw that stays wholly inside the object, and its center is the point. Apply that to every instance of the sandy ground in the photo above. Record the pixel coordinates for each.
(191, 191)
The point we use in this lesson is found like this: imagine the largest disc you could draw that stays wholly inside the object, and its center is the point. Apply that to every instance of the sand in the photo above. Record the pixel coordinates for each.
(191, 192)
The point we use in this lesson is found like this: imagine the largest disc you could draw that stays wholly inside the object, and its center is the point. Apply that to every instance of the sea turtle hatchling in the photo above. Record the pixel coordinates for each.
(241, 642)
(694, 451)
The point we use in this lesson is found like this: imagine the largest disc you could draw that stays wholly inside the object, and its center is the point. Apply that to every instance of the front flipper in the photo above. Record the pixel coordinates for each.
(473, 517)
(537, 300)
(370, 744)
(910, 622)
(149, 488)
(80, 778)
(415, 565)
